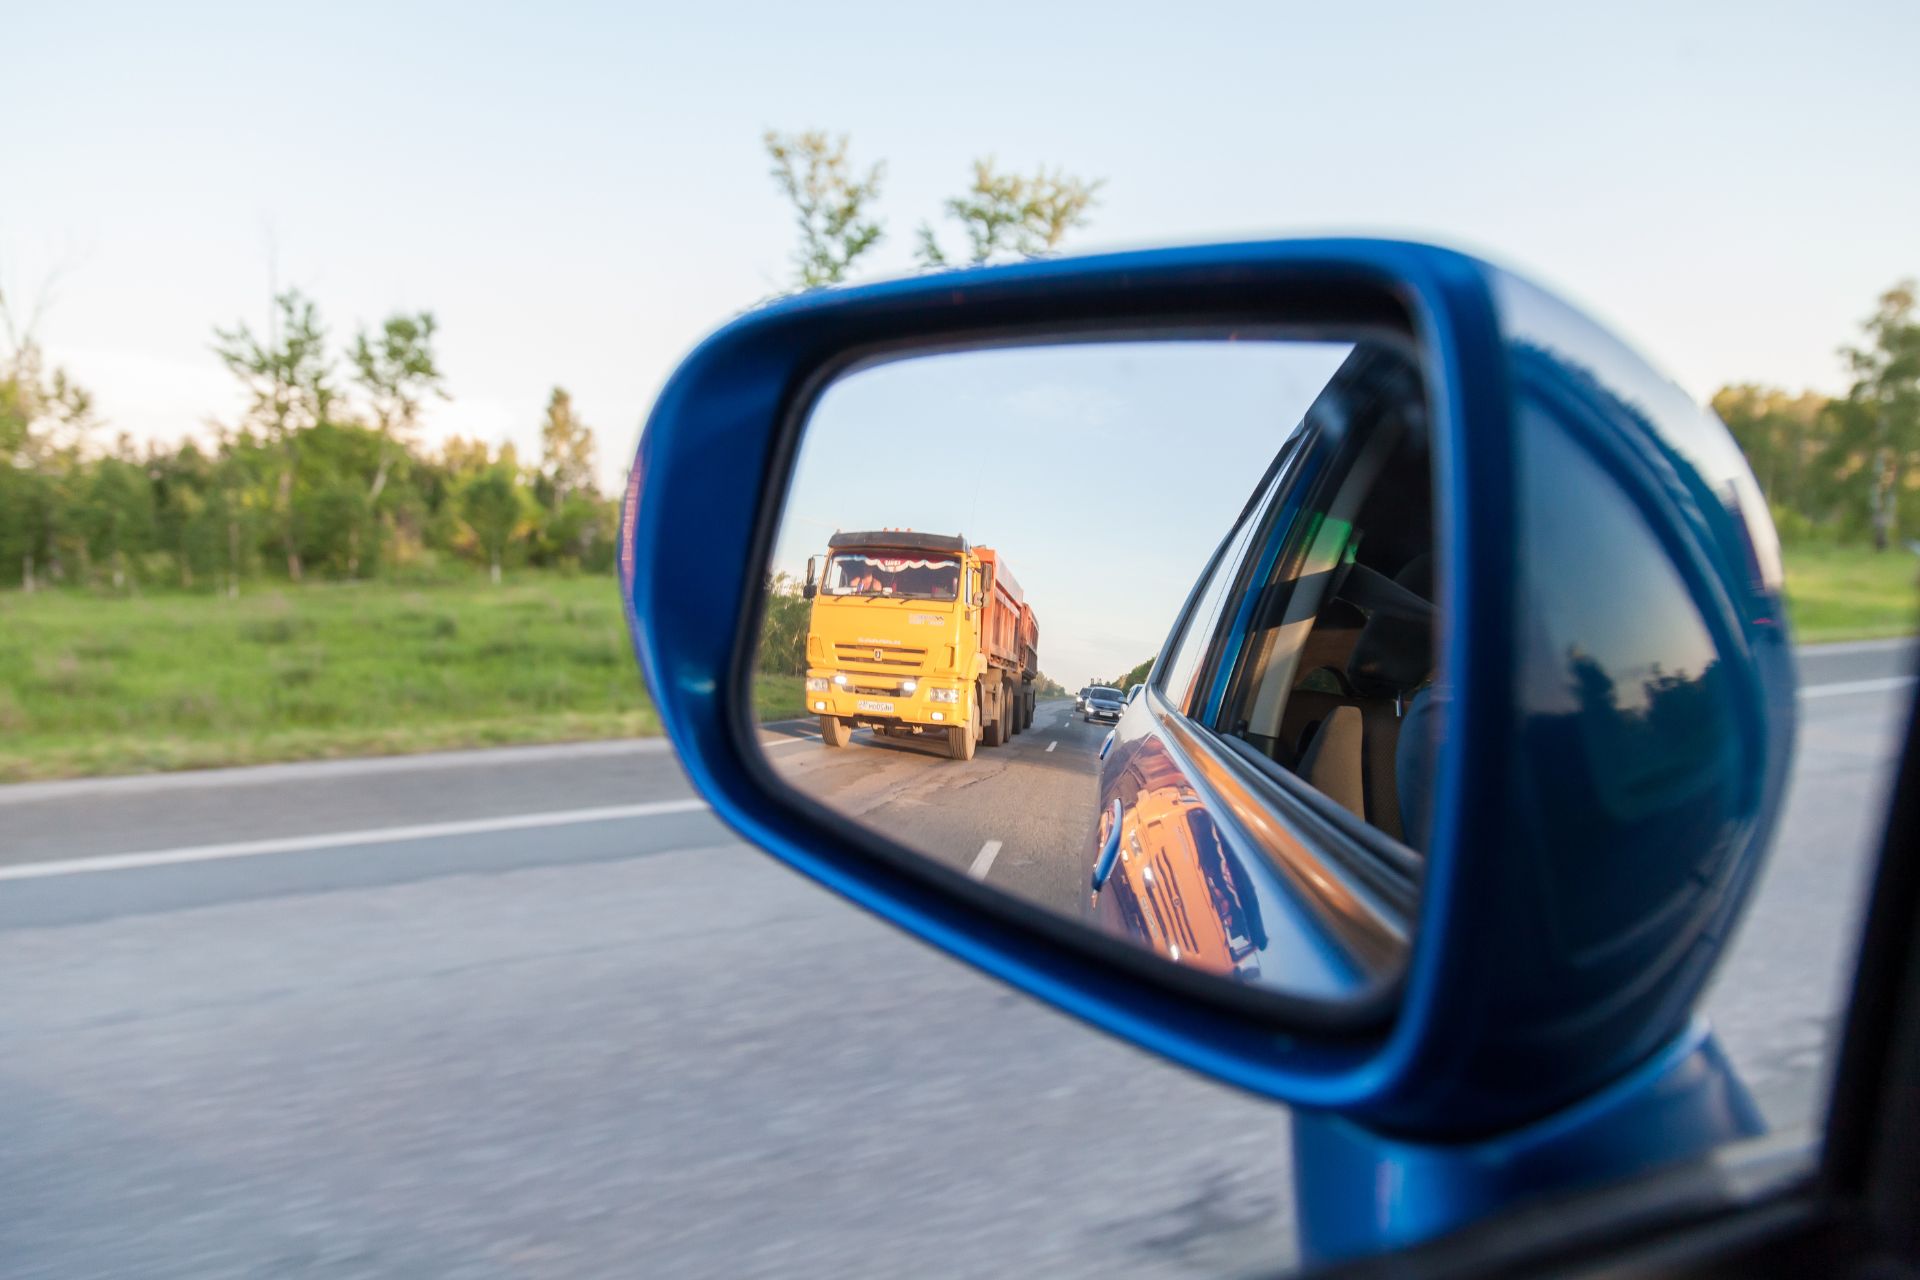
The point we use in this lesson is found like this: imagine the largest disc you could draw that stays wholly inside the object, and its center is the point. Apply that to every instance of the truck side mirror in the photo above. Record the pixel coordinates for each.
(810, 589)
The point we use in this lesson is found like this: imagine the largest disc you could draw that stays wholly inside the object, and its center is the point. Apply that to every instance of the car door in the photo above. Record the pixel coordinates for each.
(1178, 863)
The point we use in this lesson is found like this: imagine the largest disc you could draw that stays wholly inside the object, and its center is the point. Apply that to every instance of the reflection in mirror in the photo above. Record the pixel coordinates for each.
(1140, 632)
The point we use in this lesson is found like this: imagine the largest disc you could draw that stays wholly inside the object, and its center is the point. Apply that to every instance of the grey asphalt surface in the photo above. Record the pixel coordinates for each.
(627, 1045)
(1034, 798)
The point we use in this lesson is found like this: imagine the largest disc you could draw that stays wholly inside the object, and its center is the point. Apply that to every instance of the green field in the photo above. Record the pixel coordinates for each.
(97, 684)
(1851, 593)
(92, 685)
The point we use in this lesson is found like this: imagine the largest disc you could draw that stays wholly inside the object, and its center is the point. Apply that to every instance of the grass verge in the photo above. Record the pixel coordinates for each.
(104, 685)
(101, 685)
(1851, 593)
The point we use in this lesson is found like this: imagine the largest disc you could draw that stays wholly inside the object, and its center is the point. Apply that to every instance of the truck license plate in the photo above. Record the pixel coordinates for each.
(885, 708)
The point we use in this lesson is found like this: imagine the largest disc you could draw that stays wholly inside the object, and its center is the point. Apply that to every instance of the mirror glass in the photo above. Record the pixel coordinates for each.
(1140, 632)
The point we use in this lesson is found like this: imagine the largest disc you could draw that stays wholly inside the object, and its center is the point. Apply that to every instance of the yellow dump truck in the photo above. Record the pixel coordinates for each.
(919, 634)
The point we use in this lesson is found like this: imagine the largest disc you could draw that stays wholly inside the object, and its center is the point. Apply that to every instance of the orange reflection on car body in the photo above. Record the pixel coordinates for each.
(1171, 888)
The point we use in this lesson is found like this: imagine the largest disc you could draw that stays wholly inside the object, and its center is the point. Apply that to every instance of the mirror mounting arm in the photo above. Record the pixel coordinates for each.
(1681, 1103)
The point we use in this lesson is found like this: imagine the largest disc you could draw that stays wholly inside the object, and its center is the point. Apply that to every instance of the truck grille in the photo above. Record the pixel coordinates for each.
(878, 655)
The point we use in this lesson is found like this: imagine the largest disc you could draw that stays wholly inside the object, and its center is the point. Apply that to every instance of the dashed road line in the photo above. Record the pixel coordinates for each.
(983, 861)
(1053, 744)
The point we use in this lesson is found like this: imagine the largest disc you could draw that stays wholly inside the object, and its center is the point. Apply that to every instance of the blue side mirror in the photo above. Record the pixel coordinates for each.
(1460, 753)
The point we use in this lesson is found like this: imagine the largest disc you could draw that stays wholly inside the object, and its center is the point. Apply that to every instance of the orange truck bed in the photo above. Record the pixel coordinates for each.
(1000, 629)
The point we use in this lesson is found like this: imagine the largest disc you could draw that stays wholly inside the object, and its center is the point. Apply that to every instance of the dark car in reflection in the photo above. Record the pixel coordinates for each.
(1104, 704)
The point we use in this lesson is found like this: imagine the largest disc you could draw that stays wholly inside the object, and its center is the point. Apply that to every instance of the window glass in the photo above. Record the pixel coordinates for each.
(1177, 677)
(1333, 642)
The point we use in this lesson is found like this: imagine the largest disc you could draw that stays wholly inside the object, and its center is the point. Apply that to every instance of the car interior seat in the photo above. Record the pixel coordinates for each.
(1346, 743)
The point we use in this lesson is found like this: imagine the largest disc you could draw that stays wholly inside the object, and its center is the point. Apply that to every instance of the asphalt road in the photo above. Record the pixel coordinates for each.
(534, 1013)
(1006, 816)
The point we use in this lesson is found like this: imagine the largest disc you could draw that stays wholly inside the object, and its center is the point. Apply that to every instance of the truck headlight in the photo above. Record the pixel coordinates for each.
(816, 684)
(943, 695)
(908, 686)
(840, 678)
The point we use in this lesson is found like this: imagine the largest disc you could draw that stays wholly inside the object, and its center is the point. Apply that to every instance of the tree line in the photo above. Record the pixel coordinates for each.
(322, 474)
(1842, 468)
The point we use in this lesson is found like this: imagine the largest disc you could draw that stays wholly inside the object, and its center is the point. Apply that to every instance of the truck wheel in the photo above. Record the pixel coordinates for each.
(834, 731)
(962, 739)
(997, 727)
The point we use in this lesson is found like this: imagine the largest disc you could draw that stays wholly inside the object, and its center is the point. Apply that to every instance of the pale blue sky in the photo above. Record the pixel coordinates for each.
(1119, 468)
(579, 191)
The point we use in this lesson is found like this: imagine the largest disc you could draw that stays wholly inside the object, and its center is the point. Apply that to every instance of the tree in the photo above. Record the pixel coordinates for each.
(783, 632)
(46, 419)
(1007, 215)
(1782, 435)
(116, 513)
(237, 502)
(566, 449)
(1878, 422)
(290, 379)
(397, 371)
(492, 504)
(829, 204)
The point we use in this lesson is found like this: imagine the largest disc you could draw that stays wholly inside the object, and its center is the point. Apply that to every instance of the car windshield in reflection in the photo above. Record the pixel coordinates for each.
(879, 575)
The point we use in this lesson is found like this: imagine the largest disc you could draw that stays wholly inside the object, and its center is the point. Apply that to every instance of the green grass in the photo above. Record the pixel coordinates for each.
(93, 685)
(778, 697)
(1851, 593)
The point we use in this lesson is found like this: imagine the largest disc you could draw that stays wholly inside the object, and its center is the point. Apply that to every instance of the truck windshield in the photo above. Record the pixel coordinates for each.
(854, 573)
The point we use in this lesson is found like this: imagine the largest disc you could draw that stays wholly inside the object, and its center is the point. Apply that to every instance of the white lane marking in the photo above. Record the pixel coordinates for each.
(343, 839)
(316, 770)
(784, 742)
(983, 861)
(1884, 684)
(1053, 744)
(1857, 646)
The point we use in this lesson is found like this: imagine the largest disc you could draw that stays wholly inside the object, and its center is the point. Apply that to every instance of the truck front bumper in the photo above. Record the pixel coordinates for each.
(882, 710)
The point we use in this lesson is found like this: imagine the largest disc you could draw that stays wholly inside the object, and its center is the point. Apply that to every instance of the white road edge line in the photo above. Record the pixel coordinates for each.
(1053, 744)
(338, 839)
(1889, 645)
(1884, 684)
(983, 862)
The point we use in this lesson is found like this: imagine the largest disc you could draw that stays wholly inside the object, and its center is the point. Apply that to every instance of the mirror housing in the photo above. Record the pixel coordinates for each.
(1576, 892)
(810, 588)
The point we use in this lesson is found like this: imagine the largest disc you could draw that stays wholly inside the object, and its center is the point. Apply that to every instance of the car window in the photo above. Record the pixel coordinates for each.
(1324, 661)
(1196, 631)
